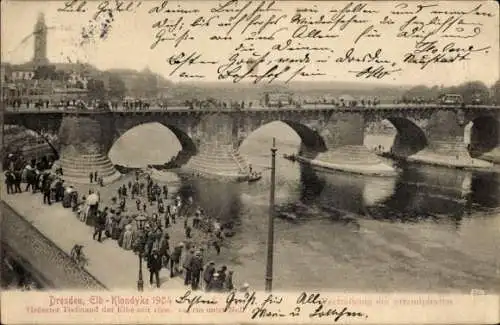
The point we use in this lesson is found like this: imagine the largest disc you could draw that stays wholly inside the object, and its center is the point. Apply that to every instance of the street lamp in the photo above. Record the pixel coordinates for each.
(140, 221)
(270, 233)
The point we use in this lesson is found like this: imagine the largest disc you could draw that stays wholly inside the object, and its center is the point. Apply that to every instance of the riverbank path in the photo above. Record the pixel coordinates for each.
(115, 267)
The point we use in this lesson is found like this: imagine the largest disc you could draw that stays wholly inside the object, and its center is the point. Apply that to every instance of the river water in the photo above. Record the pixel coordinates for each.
(428, 229)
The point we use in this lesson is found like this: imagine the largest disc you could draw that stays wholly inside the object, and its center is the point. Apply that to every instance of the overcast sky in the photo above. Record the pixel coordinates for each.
(128, 43)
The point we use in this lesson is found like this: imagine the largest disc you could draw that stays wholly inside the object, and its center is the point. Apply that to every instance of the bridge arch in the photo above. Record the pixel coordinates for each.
(29, 143)
(408, 137)
(308, 140)
(482, 134)
(152, 143)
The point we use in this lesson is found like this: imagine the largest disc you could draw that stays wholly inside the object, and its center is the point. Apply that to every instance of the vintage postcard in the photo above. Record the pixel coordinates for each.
(231, 161)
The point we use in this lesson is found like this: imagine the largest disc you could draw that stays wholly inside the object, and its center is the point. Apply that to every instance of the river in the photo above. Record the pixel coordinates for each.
(428, 229)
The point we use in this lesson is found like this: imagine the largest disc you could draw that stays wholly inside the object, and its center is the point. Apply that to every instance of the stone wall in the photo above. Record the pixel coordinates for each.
(343, 129)
(444, 125)
(84, 143)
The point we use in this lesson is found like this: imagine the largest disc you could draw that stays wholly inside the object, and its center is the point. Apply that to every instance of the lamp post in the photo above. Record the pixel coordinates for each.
(2, 142)
(270, 233)
(140, 220)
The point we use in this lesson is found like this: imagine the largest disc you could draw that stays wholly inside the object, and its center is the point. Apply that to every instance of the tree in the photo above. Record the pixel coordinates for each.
(472, 89)
(117, 88)
(96, 89)
(151, 85)
(495, 92)
(422, 92)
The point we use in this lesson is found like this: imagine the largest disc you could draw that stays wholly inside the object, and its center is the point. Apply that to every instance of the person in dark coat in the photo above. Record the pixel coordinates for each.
(9, 182)
(46, 190)
(17, 182)
(228, 284)
(59, 190)
(100, 224)
(123, 203)
(164, 249)
(208, 274)
(115, 229)
(187, 267)
(216, 246)
(196, 219)
(222, 274)
(154, 266)
(95, 176)
(91, 176)
(165, 191)
(150, 239)
(196, 268)
(215, 285)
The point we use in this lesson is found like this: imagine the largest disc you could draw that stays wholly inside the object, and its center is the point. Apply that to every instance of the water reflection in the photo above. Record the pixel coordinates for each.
(418, 193)
(485, 190)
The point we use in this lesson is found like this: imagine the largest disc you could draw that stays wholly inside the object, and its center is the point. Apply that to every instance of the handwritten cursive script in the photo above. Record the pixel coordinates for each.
(193, 300)
(270, 41)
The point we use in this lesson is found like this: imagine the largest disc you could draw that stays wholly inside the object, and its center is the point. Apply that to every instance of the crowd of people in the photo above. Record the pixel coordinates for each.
(139, 219)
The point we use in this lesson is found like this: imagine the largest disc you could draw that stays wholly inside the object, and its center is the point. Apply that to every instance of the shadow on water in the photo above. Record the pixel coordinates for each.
(485, 190)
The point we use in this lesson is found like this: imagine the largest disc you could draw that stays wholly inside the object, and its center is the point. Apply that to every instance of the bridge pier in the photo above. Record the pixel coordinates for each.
(84, 142)
(217, 154)
(343, 136)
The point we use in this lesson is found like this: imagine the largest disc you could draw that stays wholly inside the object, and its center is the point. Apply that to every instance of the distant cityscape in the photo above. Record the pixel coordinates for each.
(42, 80)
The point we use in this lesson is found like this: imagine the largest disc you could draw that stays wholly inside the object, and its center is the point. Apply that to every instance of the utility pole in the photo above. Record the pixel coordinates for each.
(3, 107)
(270, 234)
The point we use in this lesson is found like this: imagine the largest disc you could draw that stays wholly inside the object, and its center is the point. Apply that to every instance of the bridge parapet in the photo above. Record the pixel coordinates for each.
(256, 109)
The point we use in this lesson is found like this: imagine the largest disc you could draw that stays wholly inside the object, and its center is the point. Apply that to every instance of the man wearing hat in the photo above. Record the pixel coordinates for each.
(196, 268)
(208, 274)
(154, 266)
(100, 224)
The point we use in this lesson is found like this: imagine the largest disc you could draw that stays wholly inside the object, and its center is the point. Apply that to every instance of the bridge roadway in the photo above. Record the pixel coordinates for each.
(48, 264)
(210, 137)
(305, 107)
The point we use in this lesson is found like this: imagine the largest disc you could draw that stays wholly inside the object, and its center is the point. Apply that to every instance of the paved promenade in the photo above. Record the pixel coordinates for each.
(114, 267)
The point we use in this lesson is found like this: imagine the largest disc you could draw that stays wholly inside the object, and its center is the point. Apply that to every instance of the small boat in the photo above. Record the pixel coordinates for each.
(253, 177)
(290, 157)
(287, 216)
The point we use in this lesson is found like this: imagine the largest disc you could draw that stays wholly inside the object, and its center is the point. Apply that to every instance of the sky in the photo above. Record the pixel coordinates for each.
(131, 35)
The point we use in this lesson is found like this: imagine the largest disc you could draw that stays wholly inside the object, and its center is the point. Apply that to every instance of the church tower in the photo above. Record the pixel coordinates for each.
(40, 33)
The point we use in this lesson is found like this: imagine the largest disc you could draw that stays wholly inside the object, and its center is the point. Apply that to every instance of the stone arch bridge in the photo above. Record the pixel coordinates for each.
(210, 138)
